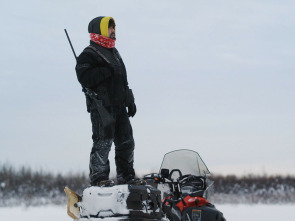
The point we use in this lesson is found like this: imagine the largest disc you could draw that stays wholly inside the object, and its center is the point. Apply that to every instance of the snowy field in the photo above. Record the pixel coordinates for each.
(231, 212)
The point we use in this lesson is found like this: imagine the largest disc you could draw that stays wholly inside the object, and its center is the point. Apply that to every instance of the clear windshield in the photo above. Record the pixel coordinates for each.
(187, 161)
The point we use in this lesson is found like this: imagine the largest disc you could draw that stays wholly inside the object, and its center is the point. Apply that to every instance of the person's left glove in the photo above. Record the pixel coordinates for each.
(131, 110)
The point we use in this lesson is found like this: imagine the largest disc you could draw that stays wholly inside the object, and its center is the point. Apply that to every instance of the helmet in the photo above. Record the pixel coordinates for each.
(100, 25)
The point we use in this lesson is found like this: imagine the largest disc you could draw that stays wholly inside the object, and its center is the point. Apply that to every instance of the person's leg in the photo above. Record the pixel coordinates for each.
(99, 163)
(124, 148)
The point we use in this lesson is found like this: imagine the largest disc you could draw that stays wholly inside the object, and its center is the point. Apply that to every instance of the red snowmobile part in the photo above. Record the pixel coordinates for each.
(169, 197)
(191, 202)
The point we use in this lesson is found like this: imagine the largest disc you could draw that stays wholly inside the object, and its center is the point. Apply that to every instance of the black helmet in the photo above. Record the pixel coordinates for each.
(100, 25)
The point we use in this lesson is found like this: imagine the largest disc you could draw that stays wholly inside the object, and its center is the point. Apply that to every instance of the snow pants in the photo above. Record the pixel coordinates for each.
(124, 147)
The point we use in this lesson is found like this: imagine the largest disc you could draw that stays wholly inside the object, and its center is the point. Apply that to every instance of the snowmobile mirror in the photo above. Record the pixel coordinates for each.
(165, 173)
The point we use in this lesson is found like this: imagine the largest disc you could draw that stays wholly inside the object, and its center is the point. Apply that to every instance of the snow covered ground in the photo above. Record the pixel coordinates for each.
(231, 212)
(258, 212)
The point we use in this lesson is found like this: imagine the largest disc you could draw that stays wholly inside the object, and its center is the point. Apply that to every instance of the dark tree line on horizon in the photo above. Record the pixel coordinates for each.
(32, 188)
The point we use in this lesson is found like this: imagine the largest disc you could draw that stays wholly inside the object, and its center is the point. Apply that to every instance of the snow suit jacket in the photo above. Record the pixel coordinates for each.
(108, 80)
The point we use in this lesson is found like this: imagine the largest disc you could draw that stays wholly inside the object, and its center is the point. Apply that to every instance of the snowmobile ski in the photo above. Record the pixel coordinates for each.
(72, 200)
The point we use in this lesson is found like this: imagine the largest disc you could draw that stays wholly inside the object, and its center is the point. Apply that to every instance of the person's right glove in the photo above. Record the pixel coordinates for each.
(132, 110)
(130, 104)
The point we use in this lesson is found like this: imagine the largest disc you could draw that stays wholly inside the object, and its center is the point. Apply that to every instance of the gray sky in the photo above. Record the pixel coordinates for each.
(213, 76)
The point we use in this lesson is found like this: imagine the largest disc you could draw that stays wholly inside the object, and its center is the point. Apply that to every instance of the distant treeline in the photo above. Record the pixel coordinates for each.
(32, 188)
(27, 187)
(253, 189)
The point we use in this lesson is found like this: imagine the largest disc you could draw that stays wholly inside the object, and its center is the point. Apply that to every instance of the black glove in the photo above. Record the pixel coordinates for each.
(131, 110)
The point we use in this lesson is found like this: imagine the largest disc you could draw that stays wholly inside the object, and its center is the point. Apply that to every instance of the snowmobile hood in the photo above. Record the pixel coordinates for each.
(100, 25)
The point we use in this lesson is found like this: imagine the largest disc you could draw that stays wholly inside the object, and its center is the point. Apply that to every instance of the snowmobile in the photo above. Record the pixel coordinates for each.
(177, 193)
(183, 181)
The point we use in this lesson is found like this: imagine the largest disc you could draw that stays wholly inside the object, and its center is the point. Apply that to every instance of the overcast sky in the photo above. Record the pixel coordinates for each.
(213, 76)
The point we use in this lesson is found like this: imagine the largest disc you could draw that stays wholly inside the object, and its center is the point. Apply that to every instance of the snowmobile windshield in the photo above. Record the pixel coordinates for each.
(187, 161)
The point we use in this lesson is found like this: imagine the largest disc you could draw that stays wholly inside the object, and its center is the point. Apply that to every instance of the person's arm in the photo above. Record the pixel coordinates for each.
(129, 100)
(91, 70)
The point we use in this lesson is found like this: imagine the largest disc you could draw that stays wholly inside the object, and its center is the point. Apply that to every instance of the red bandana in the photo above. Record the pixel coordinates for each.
(102, 40)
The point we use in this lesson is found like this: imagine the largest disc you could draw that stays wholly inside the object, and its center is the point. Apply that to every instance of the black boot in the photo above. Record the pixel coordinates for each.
(136, 181)
(105, 183)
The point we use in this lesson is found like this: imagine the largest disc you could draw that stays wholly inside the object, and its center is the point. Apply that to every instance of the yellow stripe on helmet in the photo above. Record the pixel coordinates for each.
(104, 26)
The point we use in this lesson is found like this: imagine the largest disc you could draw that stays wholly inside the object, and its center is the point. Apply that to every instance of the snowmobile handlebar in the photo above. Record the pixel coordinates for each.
(172, 172)
(156, 177)
(159, 178)
(176, 185)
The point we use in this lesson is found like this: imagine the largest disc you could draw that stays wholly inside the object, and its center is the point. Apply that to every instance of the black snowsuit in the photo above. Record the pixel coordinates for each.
(109, 81)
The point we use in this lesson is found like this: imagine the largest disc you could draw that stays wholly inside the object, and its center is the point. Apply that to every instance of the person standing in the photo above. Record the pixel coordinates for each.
(101, 70)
